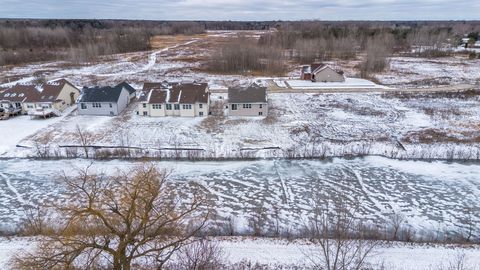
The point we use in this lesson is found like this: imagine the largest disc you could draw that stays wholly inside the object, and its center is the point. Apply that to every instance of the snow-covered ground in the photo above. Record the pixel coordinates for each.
(420, 72)
(277, 253)
(349, 83)
(298, 125)
(15, 129)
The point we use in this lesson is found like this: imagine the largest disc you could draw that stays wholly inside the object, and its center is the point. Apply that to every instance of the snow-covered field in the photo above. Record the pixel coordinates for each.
(419, 72)
(277, 253)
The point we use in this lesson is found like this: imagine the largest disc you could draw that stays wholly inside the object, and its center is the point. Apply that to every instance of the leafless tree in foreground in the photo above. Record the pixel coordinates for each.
(200, 255)
(117, 222)
(84, 139)
(339, 238)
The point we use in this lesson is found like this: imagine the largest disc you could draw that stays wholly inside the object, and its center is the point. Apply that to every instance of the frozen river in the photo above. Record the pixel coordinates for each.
(432, 195)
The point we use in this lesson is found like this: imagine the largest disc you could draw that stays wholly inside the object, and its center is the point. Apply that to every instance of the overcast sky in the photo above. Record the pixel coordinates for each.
(243, 9)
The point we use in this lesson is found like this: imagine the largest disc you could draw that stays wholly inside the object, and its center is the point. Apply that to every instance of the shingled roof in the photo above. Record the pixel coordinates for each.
(250, 94)
(183, 93)
(47, 92)
(101, 94)
(127, 86)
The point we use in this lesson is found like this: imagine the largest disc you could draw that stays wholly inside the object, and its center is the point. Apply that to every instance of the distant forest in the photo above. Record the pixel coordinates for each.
(23, 41)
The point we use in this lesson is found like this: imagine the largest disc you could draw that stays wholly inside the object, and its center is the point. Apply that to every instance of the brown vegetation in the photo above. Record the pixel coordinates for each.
(114, 222)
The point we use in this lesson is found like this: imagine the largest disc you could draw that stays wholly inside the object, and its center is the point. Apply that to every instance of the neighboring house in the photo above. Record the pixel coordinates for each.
(131, 91)
(49, 98)
(175, 99)
(103, 100)
(249, 101)
(321, 73)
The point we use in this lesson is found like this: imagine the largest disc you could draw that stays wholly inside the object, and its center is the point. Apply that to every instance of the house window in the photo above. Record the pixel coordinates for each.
(145, 114)
(96, 105)
(200, 106)
(200, 113)
(156, 106)
(260, 113)
(84, 106)
(144, 105)
(234, 107)
(247, 106)
(30, 106)
(187, 106)
(176, 106)
(169, 106)
(261, 106)
(110, 105)
(111, 113)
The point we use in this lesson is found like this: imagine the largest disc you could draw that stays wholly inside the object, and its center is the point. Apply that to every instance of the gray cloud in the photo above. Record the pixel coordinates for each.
(243, 9)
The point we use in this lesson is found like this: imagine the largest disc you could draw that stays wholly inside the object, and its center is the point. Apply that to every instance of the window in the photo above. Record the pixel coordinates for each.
(247, 106)
(111, 113)
(30, 106)
(110, 105)
(169, 106)
(200, 106)
(176, 106)
(21, 94)
(145, 114)
(261, 106)
(200, 113)
(156, 106)
(84, 106)
(96, 105)
(234, 107)
(13, 94)
(7, 95)
(144, 105)
(187, 106)
(260, 113)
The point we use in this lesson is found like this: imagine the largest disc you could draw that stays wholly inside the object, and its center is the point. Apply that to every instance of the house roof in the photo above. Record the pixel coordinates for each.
(101, 94)
(252, 94)
(127, 86)
(184, 93)
(47, 92)
(317, 67)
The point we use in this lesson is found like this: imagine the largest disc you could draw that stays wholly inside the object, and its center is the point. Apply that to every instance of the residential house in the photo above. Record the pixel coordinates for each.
(103, 100)
(44, 99)
(247, 101)
(174, 99)
(321, 73)
(131, 91)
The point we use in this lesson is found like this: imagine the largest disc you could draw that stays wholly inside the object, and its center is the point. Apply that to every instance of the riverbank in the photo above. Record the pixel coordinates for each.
(274, 253)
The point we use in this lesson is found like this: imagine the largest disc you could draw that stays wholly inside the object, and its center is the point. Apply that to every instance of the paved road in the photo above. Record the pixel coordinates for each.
(274, 88)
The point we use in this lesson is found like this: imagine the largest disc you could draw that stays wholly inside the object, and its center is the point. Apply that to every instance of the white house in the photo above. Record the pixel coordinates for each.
(108, 100)
(174, 99)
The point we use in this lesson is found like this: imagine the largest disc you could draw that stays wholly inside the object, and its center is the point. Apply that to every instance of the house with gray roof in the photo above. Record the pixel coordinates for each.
(247, 101)
(321, 73)
(174, 99)
(107, 100)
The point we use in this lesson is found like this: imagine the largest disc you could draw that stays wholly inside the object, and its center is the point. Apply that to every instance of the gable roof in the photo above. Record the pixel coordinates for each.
(183, 93)
(127, 86)
(101, 94)
(317, 67)
(252, 93)
(47, 92)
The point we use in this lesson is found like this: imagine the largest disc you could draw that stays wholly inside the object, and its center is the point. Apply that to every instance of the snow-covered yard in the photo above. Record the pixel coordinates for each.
(275, 253)
(298, 125)
(349, 83)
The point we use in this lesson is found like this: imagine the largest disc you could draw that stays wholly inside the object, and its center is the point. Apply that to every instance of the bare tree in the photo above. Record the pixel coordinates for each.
(396, 221)
(200, 255)
(84, 139)
(115, 222)
(338, 237)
